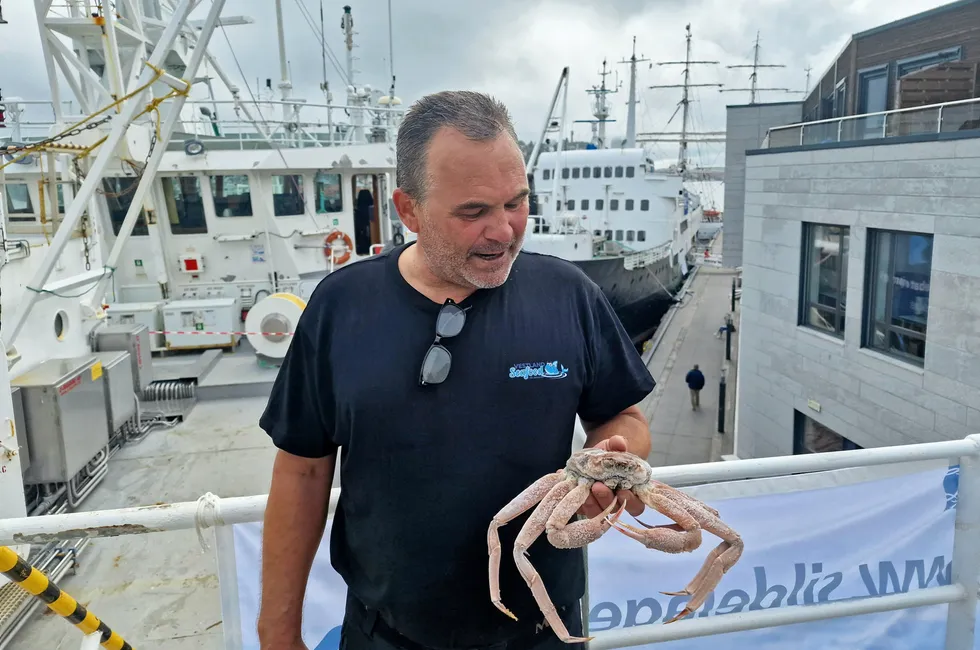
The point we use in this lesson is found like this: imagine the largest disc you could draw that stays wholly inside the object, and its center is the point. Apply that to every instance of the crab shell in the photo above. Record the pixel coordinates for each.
(614, 469)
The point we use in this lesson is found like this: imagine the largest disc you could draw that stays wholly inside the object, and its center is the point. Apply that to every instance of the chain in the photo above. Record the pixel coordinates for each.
(61, 136)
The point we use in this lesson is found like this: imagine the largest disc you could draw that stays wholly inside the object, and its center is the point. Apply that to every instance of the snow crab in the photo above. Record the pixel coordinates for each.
(559, 495)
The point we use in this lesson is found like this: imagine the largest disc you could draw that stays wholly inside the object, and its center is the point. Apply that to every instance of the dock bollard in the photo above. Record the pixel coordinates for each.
(37, 584)
(721, 405)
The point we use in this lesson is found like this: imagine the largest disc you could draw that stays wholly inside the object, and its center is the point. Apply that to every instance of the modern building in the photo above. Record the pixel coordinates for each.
(860, 318)
(925, 59)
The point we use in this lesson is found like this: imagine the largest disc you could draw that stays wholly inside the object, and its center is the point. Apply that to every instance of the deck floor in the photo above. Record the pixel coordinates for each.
(680, 435)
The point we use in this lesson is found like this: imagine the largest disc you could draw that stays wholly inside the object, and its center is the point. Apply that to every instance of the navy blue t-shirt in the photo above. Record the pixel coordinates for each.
(423, 469)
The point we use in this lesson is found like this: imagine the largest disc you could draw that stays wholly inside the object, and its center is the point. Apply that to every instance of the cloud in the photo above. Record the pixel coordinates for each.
(516, 50)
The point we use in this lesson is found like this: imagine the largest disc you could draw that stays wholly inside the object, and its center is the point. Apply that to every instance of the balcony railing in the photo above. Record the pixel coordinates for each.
(962, 115)
(960, 592)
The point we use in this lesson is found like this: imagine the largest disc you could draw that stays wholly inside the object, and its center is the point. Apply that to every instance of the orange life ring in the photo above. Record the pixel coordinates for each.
(328, 245)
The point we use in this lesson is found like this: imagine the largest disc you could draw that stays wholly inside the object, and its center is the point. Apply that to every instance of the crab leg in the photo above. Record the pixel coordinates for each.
(517, 506)
(533, 527)
(577, 534)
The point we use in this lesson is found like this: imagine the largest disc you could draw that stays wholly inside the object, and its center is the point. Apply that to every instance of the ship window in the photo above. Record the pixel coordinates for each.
(596, 172)
(575, 172)
(547, 174)
(607, 172)
(824, 277)
(571, 204)
(564, 172)
(899, 268)
(586, 172)
(629, 235)
(287, 195)
(641, 235)
(327, 193)
(619, 235)
(645, 205)
(585, 202)
(608, 235)
(599, 203)
(630, 171)
(598, 233)
(231, 195)
(614, 204)
(118, 192)
(629, 204)
(19, 205)
(185, 207)
(684, 226)
(619, 171)
(811, 437)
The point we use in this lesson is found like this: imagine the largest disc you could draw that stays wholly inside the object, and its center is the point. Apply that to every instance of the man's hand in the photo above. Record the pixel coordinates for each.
(602, 496)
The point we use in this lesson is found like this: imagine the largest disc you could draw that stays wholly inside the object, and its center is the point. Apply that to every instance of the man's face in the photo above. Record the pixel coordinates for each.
(471, 223)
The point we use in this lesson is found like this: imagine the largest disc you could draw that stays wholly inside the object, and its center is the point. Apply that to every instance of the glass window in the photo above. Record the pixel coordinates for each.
(899, 269)
(19, 204)
(619, 171)
(327, 193)
(608, 235)
(641, 235)
(547, 174)
(824, 274)
(571, 204)
(607, 172)
(564, 172)
(118, 192)
(811, 437)
(683, 226)
(599, 203)
(585, 202)
(575, 172)
(629, 204)
(232, 195)
(619, 235)
(586, 172)
(184, 205)
(287, 195)
(645, 205)
(598, 233)
(629, 235)
(613, 204)
(596, 172)
(630, 171)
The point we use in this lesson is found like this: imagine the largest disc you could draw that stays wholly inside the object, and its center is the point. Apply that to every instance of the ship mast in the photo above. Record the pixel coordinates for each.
(755, 65)
(632, 101)
(684, 137)
(600, 109)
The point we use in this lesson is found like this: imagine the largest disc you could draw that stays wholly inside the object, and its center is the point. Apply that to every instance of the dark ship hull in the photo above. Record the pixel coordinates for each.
(638, 296)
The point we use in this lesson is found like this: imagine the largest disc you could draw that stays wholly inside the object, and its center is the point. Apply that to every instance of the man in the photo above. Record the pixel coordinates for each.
(481, 356)
(695, 382)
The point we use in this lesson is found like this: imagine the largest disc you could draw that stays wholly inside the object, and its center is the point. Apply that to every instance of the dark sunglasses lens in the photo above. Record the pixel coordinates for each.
(450, 321)
(435, 367)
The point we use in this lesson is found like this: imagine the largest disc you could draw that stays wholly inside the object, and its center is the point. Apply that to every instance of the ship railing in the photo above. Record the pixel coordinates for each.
(961, 593)
(639, 259)
(946, 117)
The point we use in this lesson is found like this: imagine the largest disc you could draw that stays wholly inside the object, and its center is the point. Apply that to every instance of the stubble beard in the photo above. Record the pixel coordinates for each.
(450, 264)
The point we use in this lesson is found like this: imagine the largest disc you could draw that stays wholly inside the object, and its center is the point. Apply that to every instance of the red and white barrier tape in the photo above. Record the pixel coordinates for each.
(223, 333)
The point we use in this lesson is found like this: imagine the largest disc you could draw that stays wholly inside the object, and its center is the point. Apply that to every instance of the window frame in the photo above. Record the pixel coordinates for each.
(799, 435)
(806, 258)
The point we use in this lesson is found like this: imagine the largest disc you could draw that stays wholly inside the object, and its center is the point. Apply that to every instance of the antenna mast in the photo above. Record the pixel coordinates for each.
(600, 109)
(755, 76)
(709, 136)
(632, 102)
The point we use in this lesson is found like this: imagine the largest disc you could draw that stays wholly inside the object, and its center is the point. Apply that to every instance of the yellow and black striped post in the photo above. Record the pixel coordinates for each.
(37, 584)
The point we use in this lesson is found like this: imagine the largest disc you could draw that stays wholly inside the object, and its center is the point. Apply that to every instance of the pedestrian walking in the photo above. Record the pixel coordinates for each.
(695, 381)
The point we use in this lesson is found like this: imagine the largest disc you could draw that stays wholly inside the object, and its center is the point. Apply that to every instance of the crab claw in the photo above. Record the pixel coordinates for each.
(681, 614)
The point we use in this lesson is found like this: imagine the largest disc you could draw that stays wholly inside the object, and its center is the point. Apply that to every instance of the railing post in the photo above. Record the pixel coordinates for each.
(721, 405)
(965, 569)
(840, 129)
(939, 120)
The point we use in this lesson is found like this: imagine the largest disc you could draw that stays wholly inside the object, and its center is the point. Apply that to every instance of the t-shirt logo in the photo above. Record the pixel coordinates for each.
(538, 370)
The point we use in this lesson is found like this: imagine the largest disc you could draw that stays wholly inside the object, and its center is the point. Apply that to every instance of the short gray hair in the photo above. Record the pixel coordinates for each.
(476, 115)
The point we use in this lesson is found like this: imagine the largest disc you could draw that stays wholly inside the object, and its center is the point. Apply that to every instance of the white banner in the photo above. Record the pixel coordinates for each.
(808, 539)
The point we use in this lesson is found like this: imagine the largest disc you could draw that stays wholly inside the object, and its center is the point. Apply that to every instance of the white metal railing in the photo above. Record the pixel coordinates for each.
(961, 594)
(935, 118)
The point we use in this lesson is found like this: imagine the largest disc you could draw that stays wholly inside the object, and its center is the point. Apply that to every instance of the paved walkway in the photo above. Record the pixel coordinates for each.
(679, 434)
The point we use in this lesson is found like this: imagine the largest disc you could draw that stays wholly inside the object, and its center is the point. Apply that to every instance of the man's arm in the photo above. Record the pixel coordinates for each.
(630, 424)
(295, 518)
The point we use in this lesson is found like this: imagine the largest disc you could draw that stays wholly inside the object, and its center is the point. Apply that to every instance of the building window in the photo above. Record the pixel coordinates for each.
(607, 172)
(118, 192)
(575, 172)
(596, 172)
(629, 235)
(570, 204)
(899, 268)
(811, 437)
(231, 195)
(564, 172)
(185, 207)
(824, 275)
(546, 175)
(629, 204)
(585, 202)
(619, 235)
(287, 195)
(641, 235)
(619, 171)
(645, 205)
(608, 235)
(599, 203)
(327, 193)
(613, 204)
(630, 171)
(922, 61)
(19, 205)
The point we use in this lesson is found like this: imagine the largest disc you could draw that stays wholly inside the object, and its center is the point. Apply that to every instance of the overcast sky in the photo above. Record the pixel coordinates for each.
(516, 49)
